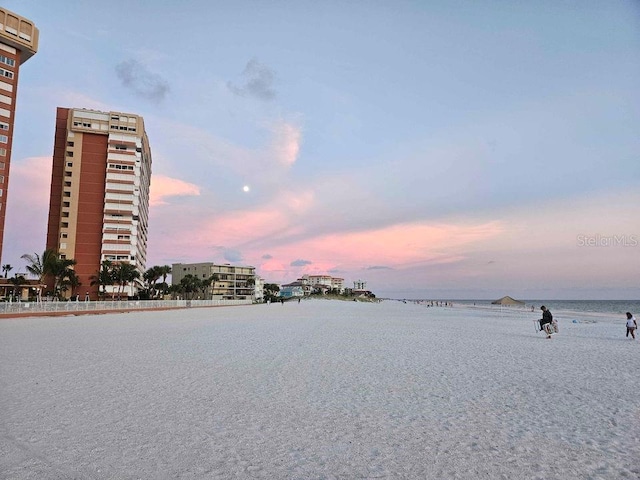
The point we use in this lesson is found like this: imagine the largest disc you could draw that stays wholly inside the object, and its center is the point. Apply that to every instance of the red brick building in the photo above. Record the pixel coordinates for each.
(18, 43)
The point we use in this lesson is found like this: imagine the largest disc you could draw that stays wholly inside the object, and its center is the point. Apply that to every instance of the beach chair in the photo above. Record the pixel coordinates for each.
(548, 328)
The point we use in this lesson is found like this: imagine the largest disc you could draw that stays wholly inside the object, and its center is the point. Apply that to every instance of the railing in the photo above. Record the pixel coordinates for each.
(113, 305)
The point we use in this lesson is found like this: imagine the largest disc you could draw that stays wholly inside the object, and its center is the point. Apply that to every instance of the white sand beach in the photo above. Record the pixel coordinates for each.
(318, 390)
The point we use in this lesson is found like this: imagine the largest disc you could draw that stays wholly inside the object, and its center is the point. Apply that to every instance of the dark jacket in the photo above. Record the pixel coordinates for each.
(546, 317)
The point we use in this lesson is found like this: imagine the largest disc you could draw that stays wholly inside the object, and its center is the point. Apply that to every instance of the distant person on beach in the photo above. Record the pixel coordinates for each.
(546, 318)
(631, 326)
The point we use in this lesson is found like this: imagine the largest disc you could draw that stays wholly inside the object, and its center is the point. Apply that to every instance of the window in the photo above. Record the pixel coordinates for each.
(69, 154)
(7, 61)
(67, 184)
(67, 174)
(70, 144)
(5, 73)
(1, 178)
(3, 152)
(4, 126)
(117, 166)
(69, 164)
(65, 224)
(121, 147)
(65, 214)
(63, 235)
(66, 204)
(67, 194)
(4, 138)
(1, 165)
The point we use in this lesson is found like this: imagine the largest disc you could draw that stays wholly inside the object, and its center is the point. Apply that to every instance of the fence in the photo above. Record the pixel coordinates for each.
(113, 305)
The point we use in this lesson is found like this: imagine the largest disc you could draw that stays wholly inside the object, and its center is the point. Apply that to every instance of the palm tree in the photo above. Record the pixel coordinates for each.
(210, 282)
(41, 266)
(104, 278)
(151, 277)
(164, 271)
(6, 269)
(271, 291)
(62, 271)
(124, 274)
(17, 280)
(251, 284)
(189, 284)
(70, 280)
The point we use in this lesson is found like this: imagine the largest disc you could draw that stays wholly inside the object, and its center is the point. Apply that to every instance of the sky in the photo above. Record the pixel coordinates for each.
(434, 149)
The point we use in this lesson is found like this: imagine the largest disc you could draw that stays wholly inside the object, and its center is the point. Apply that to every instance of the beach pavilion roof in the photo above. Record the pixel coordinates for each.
(507, 301)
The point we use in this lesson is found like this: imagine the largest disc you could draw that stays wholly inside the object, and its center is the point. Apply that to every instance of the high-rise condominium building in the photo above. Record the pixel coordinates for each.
(18, 43)
(99, 205)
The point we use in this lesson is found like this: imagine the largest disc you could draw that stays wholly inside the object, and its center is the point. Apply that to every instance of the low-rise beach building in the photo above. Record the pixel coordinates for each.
(326, 281)
(294, 289)
(225, 281)
(307, 284)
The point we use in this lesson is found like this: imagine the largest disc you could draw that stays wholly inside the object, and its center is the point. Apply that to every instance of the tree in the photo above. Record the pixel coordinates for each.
(210, 282)
(151, 277)
(189, 284)
(164, 270)
(6, 269)
(104, 278)
(62, 271)
(16, 281)
(271, 291)
(124, 273)
(49, 264)
(70, 280)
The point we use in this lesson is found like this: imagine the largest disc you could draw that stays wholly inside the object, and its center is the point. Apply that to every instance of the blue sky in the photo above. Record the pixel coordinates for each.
(435, 149)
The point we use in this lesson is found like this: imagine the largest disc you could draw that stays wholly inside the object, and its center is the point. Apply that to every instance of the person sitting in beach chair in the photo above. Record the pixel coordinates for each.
(547, 318)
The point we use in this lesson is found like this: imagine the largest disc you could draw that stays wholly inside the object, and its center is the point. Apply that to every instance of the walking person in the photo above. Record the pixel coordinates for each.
(546, 318)
(631, 326)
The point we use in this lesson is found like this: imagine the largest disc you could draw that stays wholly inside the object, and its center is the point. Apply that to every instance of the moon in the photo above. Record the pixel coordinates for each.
(245, 188)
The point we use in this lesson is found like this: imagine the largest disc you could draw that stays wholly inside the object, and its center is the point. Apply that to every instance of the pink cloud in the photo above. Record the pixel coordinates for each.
(395, 246)
(274, 220)
(27, 207)
(163, 187)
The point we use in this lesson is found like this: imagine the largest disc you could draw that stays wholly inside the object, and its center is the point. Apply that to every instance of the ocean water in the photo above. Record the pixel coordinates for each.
(612, 307)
